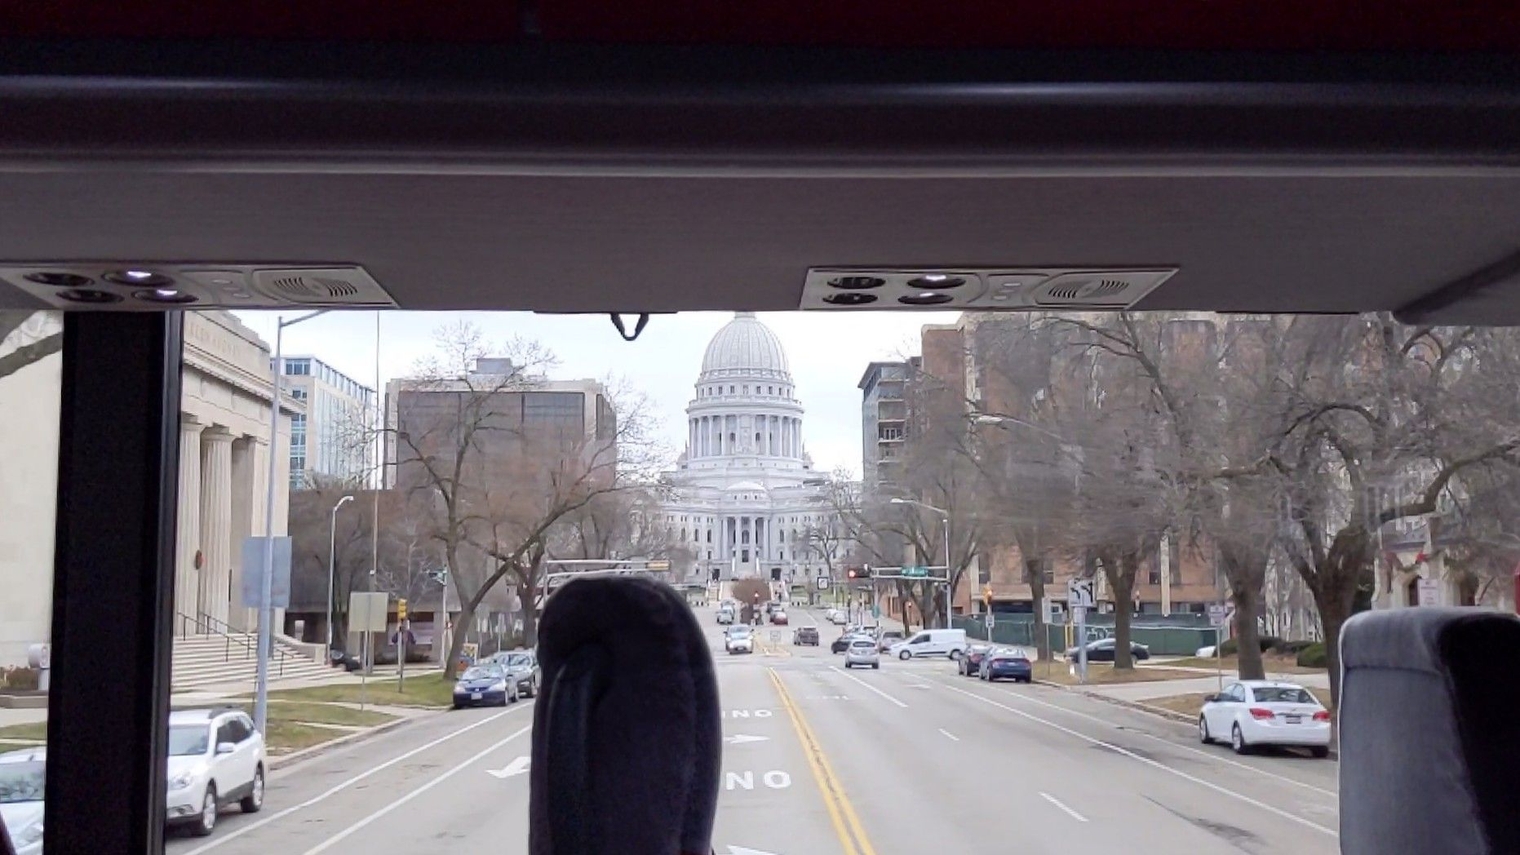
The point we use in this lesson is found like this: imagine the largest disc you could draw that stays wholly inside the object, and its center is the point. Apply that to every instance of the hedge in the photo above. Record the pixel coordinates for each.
(1313, 656)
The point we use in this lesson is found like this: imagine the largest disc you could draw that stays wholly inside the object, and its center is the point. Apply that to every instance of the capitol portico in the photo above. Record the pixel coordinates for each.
(744, 495)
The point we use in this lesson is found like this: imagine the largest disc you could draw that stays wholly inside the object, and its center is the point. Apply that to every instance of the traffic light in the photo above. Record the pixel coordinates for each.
(850, 573)
(401, 610)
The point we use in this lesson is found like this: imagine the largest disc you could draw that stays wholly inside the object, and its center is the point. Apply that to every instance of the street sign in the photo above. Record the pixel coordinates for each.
(253, 572)
(1217, 614)
(990, 621)
(368, 611)
(657, 565)
(915, 572)
(824, 583)
(1052, 610)
(1429, 592)
(1079, 594)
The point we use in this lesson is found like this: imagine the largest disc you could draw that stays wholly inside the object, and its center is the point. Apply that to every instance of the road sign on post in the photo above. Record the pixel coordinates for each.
(824, 583)
(1217, 612)
(991, 621)
(253, 572)
(1079, 594)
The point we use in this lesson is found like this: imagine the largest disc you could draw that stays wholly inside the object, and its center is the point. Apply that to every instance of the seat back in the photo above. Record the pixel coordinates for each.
(1429, 726)
(627, 739)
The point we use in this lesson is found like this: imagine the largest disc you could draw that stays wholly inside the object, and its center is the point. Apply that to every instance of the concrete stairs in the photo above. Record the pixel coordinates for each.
(214, 658)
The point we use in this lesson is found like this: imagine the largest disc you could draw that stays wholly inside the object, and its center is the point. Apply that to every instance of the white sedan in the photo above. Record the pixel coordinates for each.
(739, 639)
(1253, 713)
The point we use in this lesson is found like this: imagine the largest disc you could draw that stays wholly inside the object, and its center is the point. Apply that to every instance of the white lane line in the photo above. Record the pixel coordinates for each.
(1154, 764)
(473, 759)
(339, 787)
(848, 676)
(1208, 755)
(1057, 802)
(948, 735)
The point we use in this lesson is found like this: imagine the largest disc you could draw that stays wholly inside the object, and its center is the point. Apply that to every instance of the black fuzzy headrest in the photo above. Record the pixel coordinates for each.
(627, 740)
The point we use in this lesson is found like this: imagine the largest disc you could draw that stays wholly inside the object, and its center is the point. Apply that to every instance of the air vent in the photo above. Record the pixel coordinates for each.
(953, 288)
(321, 287)
(1096, 289)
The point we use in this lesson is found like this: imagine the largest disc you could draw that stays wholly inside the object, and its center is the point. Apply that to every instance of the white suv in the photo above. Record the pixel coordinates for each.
(215, 758)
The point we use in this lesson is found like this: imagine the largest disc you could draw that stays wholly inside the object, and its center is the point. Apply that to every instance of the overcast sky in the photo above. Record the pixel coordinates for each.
(828, 352)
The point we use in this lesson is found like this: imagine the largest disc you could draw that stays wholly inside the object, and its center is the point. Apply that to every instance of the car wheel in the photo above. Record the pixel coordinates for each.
(533, 688)
(1203, 731)
(252, 802)
(875, 664)
(905, 656)
(206, 822)
(848, 666)
(1238, 742)
(1320, 751)
(955, 656)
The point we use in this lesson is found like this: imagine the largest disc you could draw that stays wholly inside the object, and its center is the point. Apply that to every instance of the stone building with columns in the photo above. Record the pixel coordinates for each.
(743, 495)
(224, 430)
(223, 466)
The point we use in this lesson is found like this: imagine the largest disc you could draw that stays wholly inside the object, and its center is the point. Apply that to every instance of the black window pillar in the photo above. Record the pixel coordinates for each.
(108, 703)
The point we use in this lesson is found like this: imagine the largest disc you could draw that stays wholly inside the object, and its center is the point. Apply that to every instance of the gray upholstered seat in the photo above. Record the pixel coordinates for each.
(1429, 726)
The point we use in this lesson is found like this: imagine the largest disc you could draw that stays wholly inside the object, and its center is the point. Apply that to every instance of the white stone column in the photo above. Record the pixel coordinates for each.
(188, 524)
(216, 521)
(244, 500)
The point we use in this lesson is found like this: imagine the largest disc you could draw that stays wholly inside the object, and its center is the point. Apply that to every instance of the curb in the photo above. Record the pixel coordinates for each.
(1159, 712)
(273, 763)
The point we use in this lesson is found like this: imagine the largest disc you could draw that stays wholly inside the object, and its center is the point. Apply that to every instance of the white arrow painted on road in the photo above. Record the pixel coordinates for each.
(516, 767)
(744, 850)
(740, 739)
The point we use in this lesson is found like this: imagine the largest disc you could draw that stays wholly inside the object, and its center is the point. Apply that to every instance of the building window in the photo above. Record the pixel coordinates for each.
(553, 407)
(709, 540)
(730, 390)
(780, 556)
(745, 556)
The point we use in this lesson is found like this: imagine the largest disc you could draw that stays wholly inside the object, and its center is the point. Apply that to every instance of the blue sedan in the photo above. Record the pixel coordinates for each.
(1006, 663)
(484, 684)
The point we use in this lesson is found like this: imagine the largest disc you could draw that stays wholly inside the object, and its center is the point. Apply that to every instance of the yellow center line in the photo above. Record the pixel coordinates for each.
(852, 837)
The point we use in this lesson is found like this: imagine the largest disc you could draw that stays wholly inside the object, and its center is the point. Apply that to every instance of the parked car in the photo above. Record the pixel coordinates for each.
(806, 635)
(862, 651)
(887, 638)
(932, 642)
(778, 617)
(725, 615)
(486, 683)
(216, 758)
(739, 639)
(346, 661)
(1253, 713)
(22, 776)
(838, 618)
(970, 664)
(1102, 650)
(523, 666)
(1010, 662)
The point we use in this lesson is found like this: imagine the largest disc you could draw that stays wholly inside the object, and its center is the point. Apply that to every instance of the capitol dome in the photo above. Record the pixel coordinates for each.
(745, 347)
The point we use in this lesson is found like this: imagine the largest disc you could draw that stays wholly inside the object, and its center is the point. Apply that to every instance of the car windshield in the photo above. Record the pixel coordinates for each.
(21, 781)
(189, 739)
(1027, 484)
(1282, 695)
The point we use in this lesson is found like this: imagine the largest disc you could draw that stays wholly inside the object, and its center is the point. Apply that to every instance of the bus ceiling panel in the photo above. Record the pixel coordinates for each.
(1332, 241)
(1170, 24)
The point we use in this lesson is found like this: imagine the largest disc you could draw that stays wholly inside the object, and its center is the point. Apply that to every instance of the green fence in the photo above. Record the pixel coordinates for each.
(1162, 639)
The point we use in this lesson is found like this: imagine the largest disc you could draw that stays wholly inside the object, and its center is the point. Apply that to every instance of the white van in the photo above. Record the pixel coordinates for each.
(931, 642)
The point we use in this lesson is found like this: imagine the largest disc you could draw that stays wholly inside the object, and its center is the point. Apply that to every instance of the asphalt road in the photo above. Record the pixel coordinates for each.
(906, 759)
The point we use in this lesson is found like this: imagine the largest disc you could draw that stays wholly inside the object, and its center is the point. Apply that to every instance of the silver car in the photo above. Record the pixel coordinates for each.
(862, 651)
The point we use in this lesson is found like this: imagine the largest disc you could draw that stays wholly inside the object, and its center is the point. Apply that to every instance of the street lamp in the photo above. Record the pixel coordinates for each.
(945, 515)
(332, 550)
(266, 584)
